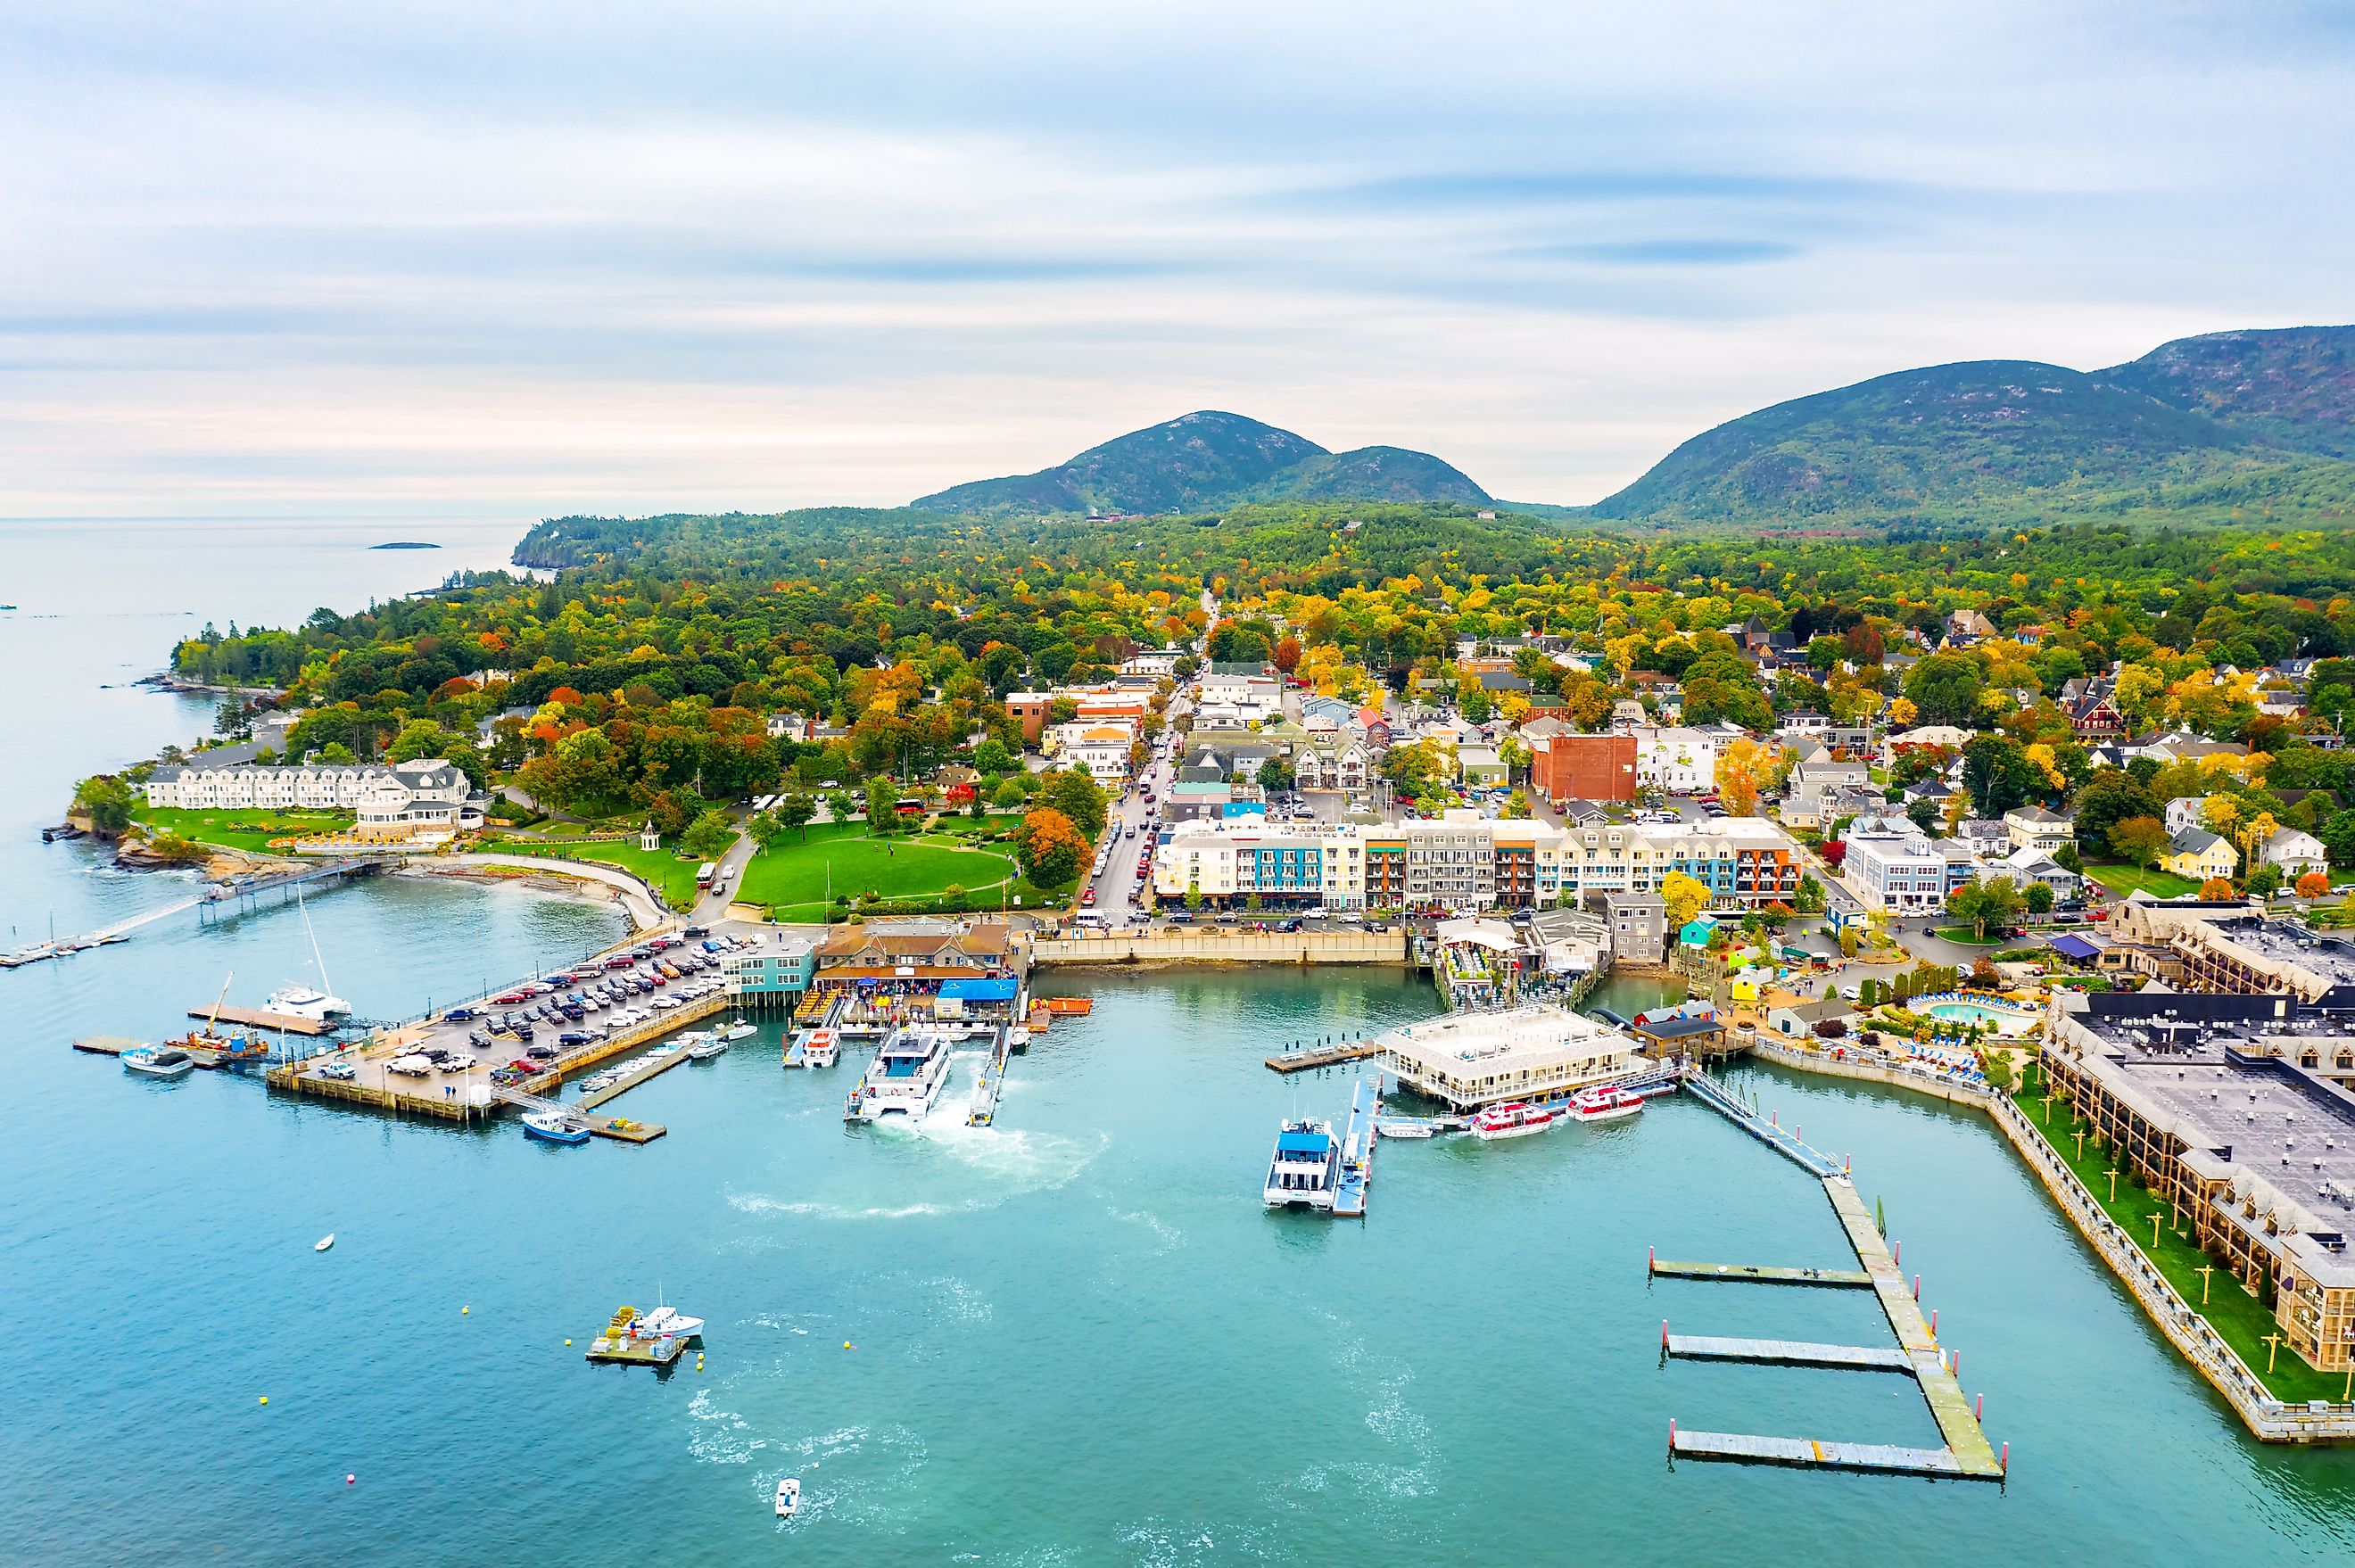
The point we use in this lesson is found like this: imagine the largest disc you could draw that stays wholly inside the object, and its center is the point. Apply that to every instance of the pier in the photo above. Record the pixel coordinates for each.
(982, 1109)
(257, 1017)
(237, 897)
(620, 1128)
(1358, 1151)
(1966, 1455)
(615, 1347)
(643, 1070)
(1782, 1140)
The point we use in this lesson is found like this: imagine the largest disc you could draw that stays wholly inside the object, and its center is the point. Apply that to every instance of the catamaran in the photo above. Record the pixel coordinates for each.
(1305, 1167)
(907, 1076)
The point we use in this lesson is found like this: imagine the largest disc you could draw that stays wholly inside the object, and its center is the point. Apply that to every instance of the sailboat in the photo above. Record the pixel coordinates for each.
(302, 1001)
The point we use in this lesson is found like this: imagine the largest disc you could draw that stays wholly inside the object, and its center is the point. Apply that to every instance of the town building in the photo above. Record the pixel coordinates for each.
(1675, 759)
(425, 799)
(2033, 828)
(2196, 853)
(1564, 767)
(1815, 779)
(1894, 866)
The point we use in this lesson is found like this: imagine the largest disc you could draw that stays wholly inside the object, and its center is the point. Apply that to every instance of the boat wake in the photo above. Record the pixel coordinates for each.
(1172, 1238)
(720, 1436)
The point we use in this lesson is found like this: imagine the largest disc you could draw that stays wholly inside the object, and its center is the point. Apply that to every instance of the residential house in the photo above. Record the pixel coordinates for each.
(2033, 828)
(2196, 853)
(1812, 781)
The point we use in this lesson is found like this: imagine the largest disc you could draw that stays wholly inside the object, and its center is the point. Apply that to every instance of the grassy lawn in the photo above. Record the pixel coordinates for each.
(2124, 880)
(793, 878)
(1967, 936)
(2239, 1317)
(661, 868)
(240, 829)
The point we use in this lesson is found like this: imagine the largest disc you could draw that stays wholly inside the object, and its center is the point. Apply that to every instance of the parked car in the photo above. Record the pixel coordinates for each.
(459, 1015)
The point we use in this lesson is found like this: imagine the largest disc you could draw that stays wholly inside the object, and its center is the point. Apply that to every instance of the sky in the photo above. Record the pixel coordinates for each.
(292, 258)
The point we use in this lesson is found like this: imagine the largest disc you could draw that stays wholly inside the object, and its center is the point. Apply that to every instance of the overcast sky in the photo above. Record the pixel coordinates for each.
(313, 259)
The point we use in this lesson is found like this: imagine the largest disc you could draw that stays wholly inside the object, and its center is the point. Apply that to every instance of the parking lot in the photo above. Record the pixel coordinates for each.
(543, 1024)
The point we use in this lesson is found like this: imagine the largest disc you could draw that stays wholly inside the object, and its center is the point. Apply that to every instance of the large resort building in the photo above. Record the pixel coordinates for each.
(422, 799)
(2214, 1101)
(1467, 1060)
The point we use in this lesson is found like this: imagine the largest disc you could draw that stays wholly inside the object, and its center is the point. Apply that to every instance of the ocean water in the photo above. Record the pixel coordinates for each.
(1072, 1338)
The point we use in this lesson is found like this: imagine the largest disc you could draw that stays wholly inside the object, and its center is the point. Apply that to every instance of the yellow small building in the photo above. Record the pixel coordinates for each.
(2198, 854)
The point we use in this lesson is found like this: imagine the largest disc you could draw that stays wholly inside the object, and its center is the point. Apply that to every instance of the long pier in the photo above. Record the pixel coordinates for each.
(1966, 1454)
(1782, 1140)
(1317, 1056)
(1358, 1152)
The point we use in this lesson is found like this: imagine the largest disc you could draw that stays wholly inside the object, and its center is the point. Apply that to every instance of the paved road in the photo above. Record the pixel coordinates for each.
(725, 884)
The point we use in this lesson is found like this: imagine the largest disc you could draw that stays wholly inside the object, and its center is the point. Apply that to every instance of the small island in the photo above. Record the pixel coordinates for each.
(405, 544)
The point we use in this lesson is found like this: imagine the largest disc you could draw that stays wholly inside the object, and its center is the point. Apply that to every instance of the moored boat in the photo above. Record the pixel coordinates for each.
(1305, 1168)
(789, 1496)
(739, 1030)
(709, 1048)
(906, 1077)
(168, 1062)
(551, 1126)
(1513, 1120)
(1608, 1103)
(820, 1046)
(666, 1321)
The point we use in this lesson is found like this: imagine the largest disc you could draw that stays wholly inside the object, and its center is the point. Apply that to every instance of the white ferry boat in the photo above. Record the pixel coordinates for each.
(1305, 1168)
(1514, 1120)
(907, 1076)
(819, 1048)
(1608, 1103)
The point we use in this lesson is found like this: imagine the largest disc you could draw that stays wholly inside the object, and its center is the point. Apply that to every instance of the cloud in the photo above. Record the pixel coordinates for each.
(540, 257)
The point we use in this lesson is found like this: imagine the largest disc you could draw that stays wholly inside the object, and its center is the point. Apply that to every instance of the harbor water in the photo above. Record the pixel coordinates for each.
(1075, 1337)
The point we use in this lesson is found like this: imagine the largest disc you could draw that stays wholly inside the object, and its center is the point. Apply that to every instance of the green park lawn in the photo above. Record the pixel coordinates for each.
(2124, 880)
(794, 878)
(2239, 1317)
(661, 868)
(233, 828)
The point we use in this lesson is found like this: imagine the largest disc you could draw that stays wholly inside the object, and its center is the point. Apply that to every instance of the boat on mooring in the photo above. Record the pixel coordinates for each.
(169, 1062)
(1513, 1120)
(1305, 1168)
(1608, 1103)
(906, 1078)
(554, 1128)
(666, 1321)
(739, 1030)
(789, 1496)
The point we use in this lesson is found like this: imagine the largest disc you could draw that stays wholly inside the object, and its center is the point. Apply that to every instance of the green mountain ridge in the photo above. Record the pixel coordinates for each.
(1204, 462)
(2203, 426)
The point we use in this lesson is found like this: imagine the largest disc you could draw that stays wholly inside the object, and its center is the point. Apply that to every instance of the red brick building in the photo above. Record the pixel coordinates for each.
(1583, 767)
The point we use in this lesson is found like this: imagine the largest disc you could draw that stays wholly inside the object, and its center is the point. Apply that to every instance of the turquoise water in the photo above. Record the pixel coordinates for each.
(1079, 1338)
(2012, 1020)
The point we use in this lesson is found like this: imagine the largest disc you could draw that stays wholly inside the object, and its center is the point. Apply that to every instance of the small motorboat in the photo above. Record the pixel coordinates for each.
(325, 1242)
(551, 1126)
(739, 1030)
(168, 1062)
(789, 1496)
(709, 1048)
(665, 1323)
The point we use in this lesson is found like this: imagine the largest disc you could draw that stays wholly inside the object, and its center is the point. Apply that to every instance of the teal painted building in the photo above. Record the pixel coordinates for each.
(778, 972)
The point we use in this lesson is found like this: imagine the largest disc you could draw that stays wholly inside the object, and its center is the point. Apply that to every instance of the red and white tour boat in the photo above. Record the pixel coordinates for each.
(1512, 1121)
(1607, 1104)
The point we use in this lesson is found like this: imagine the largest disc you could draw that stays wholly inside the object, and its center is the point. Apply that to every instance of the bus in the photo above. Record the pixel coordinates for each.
(704, 873)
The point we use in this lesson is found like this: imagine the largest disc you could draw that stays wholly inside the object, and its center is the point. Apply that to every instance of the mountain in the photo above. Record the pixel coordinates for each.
(2203, 424)
(2293, 388)
(1206, 461)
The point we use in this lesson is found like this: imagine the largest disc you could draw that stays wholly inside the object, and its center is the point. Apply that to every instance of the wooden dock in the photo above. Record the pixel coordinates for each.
(255, 1017)
(645, 1067)
(616, 1347)
(1787, 1353)
(1806, 1453)
(1324, 1056)
(109, 1044)
(620, 1128)
(1357, 1175)
(1764, 1274)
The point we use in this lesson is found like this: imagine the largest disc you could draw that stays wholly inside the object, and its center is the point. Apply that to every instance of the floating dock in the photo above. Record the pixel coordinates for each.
(614, 1347)
(1787, 1353)
(109, 1044)
(1324, 1056)
(1782, 1140)
(645, 1067)
(256, 1018)
(620, 1128)
(1814, 1453)
(1764, 1274)
(1358, 1152)
(982, 1108)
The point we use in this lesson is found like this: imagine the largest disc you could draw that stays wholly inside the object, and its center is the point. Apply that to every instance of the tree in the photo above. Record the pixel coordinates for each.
(882, 805)
(1944, 690)
(1998, 775)
(709, 834)
(795, 810)
(2141, 839)
(1848, 942)
(992, 756)
(1983, 901)
(1811, 895)
(1079, 798)
(1008, 794)
(1051, 848)
(2264, 881)
(1275, 775)
(1741, 767)
(2038, 898)
(1685, 898)
(107, 802)
(2107, 798)
(2216, 889)
(763, 828)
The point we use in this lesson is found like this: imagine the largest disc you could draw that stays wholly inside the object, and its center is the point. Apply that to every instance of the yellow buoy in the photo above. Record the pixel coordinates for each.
(568, 1341)
(265, 1399)
(464, 1310)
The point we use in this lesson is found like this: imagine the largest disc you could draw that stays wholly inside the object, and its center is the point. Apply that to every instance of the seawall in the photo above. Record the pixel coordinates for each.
(1215, 946)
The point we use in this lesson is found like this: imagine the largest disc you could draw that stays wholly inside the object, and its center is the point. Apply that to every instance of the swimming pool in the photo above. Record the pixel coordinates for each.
(2003, 1020)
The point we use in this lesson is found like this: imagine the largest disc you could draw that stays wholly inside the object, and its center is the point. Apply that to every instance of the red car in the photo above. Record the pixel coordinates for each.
(525, 1065)
(1089, 897)
(509, 999)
